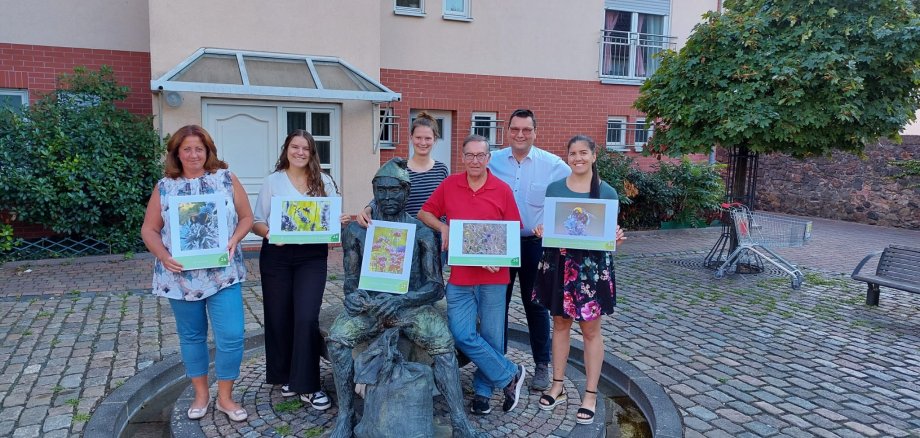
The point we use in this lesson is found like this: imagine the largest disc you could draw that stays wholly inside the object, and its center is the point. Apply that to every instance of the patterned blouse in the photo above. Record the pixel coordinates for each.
(197, 284)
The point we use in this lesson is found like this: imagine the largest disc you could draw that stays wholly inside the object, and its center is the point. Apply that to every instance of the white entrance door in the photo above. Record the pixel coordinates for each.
(441, 151)
(247, 139)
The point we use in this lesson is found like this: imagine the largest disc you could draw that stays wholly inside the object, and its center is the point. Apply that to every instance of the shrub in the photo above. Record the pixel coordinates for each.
(684, 192)
(77, 164)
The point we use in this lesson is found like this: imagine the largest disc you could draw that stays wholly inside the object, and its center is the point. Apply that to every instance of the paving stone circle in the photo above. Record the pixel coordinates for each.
(270, 414)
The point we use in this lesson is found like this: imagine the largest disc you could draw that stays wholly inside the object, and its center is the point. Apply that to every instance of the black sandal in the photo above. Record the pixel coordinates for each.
(548, 402)
(589, 414)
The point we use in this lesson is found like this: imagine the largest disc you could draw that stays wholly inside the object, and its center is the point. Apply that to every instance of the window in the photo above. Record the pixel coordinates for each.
(409, 7)
(630, 44)
(389, 129)
(457, 10)
(616, 133)
(318, 122)
(488, 126)
(15, 100)
(641, 134)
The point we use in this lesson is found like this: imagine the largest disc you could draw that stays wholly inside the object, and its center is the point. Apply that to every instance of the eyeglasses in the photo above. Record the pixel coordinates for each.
(525, 131)
(475, 157)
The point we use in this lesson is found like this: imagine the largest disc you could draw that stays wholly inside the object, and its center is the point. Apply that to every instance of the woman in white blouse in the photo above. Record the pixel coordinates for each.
(294, 276)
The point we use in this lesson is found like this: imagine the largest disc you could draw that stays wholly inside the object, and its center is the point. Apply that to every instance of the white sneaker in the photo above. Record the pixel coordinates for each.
(318, 400)
(286, 391)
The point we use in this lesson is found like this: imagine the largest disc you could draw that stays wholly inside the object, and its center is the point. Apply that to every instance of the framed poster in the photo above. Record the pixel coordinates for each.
(387, 259)
(198, 231)
(580, 223)
(484, 243)
(296, 219)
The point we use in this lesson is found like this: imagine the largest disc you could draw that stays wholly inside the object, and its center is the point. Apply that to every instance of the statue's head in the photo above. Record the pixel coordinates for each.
(391, 187)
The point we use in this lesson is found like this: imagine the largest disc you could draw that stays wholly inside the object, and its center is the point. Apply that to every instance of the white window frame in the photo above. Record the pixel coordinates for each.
(23, 95)
(335, 133)
(633, 33)
(616, 146)
(389, 129)
(465, 15)
(404, 10)
(639, 145)
(495, 127)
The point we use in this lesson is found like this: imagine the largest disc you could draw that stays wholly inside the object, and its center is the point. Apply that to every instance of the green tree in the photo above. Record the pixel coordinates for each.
(793, 76)
(77, 164)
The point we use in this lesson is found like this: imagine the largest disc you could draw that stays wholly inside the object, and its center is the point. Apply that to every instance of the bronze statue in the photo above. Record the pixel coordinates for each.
(368, 313)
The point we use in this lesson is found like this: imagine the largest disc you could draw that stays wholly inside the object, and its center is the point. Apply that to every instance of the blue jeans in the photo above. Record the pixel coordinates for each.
(225, 308)
(538, 322)
(486, 346)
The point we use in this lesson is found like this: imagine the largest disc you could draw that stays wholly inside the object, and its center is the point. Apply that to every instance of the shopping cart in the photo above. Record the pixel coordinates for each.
(758, 232)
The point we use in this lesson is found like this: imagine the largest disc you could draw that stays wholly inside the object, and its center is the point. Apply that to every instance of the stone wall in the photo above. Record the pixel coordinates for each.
(844, 186)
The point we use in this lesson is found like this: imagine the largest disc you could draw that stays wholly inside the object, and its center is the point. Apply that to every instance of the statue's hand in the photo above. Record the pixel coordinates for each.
(387, 305)
(356, 302)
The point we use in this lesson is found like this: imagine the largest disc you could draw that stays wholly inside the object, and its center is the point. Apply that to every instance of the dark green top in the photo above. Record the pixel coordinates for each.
(558, 189)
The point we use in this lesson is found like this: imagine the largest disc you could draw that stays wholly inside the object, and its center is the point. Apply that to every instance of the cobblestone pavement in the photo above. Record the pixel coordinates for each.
(741, 356)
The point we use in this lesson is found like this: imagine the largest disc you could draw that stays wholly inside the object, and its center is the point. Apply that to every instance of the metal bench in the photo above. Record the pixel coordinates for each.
(898, 268)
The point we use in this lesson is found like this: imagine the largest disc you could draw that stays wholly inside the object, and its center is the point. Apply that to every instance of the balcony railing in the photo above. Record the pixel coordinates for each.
(631, 55)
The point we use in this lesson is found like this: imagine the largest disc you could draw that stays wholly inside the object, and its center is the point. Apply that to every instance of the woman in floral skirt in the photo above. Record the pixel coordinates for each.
(577, 285)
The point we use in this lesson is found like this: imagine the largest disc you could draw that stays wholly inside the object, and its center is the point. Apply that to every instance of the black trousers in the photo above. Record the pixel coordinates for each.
(293, 281)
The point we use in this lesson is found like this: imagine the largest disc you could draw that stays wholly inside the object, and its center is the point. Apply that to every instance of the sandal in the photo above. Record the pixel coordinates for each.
(548, 402)
(588, 413)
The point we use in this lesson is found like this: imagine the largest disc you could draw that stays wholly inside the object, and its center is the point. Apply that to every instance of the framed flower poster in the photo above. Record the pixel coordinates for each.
(387, 259)
(484, 243)
(296, 219)
(198, 231)
(580, 223)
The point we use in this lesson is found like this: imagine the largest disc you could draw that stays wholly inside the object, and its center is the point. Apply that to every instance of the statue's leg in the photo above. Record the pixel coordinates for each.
(343, 371)
(447, 379)
(345, 333)
(426, 327)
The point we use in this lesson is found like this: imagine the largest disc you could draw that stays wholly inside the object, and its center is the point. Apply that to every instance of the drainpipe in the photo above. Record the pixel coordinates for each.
(159, 93)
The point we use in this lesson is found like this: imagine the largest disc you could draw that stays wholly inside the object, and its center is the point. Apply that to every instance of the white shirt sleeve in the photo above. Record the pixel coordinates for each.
(263, 206)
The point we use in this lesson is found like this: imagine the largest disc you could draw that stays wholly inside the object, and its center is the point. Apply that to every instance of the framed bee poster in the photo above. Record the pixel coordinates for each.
(298, 219)
(580, 223)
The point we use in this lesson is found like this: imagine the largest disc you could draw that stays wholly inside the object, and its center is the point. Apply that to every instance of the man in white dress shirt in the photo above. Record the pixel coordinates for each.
(528, 170)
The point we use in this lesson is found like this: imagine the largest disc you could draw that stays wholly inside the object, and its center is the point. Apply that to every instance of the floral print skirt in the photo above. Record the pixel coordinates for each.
(579, 284)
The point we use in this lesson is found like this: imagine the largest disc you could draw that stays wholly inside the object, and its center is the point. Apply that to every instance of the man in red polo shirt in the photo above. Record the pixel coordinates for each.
(478, 291)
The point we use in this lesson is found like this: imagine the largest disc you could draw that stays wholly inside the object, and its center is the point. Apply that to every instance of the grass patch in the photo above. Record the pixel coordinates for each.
(43, 314)
(727, 310)
(284, 430)
(72, 402)
(313, 432)
(288, 406)
(820, 280)
(81, 418)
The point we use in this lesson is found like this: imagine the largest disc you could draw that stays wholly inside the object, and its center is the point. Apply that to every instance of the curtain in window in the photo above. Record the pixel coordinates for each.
(610, 22)
(651, 40)
(455, 6)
